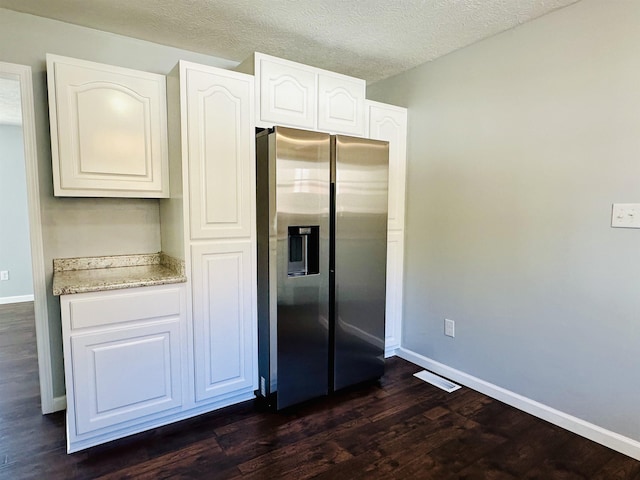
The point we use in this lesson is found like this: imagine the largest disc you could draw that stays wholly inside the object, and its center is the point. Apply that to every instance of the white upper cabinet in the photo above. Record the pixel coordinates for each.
(297, 95)
(108, 130)
(341, 104)
(220, 144)
(388, 122)
(288, 92)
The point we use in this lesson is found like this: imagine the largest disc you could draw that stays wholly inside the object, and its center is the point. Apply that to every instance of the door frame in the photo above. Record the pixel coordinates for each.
(23, 74)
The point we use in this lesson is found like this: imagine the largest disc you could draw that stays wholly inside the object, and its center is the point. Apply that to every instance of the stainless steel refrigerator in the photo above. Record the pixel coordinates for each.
(322, 243)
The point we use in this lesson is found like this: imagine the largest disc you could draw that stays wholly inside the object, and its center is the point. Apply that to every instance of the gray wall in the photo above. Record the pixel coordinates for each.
(15, 251)
(84, 227)
(518, 145)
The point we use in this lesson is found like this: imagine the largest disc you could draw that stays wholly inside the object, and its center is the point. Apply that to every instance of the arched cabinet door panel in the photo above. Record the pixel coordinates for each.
(288, 93)
(219, 135)
(108, 130)
(341, 104)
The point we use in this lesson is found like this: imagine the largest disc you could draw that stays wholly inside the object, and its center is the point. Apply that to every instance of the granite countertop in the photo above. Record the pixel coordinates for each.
(95, 274)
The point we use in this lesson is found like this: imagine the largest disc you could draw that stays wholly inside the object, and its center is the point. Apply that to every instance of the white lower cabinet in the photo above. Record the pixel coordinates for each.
(125, 358)
(393, 312)
(125, 373)
(224, 321)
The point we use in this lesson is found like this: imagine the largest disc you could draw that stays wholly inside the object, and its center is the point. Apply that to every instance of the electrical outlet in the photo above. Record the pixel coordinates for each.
(449, 328)
(4, 275)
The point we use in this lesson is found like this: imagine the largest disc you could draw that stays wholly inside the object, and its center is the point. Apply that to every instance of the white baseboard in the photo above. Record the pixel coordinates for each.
(615, 441)
(59, 403)
(17, 299)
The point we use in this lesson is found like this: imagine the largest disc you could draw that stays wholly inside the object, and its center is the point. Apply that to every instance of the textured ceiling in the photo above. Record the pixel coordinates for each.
(370, 39)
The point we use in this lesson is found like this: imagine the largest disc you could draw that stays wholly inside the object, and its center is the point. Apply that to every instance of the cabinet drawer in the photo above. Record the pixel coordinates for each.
(109, 308)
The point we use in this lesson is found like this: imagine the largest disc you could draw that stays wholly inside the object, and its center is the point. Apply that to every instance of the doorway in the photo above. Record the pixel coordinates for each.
(17, 111)
(16, 281)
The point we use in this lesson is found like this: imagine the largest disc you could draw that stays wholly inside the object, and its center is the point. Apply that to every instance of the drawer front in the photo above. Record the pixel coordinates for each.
(109, 308)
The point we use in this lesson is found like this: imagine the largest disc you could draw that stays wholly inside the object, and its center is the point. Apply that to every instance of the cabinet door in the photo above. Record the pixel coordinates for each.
(108, 130)
(387, 122)
(341, 104)
(288, 92)
(126, 373)
(224, 319)
(221, 145)
(393, 322)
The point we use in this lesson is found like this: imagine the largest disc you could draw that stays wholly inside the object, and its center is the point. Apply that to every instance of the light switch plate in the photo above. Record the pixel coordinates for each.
(625, 215)
(449, 328)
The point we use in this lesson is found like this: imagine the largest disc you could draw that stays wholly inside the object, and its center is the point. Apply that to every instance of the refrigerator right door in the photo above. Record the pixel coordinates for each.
(360, 172)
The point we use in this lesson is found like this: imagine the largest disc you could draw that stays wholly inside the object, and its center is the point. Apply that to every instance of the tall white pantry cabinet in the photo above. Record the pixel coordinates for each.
(210, 220)
(388, 122)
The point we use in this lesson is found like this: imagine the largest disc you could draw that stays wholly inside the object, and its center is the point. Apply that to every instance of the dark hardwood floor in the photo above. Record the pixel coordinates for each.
(400, 428)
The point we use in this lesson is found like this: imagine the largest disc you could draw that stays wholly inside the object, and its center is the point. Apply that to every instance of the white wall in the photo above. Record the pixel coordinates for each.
(84, 227)
(15, 254)
(518, 146)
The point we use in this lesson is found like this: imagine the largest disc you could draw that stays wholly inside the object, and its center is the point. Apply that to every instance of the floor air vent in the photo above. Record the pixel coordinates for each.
(437, 381)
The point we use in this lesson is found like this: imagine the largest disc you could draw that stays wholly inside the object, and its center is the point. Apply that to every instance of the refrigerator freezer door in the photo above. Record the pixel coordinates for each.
(302, 224)
(361, 175)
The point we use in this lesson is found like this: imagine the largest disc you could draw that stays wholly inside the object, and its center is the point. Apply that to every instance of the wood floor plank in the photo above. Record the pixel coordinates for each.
(177, 463)
(297, 461)
(619, 469)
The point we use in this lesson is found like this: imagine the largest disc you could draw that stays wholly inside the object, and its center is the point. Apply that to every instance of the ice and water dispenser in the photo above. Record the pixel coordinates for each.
(304, 251)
